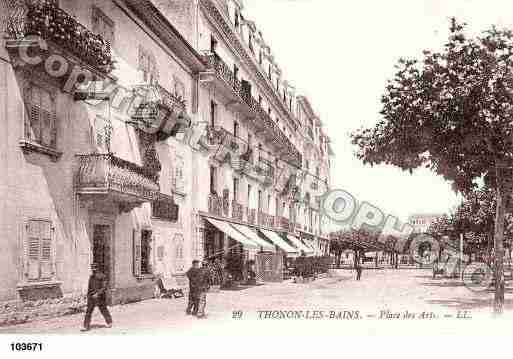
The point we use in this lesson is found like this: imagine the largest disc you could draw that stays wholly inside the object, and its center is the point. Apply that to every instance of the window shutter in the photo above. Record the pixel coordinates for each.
(33, 250)
(45, 260)
(34, 119)
(137, 252)
(46, 127)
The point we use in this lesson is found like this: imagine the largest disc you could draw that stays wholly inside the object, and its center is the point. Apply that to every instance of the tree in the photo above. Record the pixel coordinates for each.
(475, 218)
(452, 113)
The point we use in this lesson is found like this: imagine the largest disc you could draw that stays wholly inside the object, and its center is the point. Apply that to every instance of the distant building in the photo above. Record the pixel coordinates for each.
(421, 222)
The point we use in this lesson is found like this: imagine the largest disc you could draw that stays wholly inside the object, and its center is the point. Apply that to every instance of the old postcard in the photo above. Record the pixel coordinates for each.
(223, 169)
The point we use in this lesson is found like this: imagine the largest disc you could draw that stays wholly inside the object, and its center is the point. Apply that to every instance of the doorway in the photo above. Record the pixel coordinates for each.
(101, 248)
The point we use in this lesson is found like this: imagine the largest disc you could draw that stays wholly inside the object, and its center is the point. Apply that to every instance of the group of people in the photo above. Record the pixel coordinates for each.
(199, 284)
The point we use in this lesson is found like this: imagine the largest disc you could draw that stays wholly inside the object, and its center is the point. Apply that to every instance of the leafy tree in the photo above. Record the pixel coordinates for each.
(452, 112)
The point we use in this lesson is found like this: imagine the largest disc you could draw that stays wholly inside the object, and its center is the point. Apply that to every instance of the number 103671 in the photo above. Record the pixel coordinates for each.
(26, 347)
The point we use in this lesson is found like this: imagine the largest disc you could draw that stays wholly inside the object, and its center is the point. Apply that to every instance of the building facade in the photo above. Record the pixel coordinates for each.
(92, 177)
(137, 134)
(421, 221)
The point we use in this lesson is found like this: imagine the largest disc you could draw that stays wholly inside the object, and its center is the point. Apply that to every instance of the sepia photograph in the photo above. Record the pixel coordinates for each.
(220, 169)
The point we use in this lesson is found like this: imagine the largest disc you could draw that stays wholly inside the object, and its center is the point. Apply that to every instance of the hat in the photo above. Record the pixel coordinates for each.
(195, 261)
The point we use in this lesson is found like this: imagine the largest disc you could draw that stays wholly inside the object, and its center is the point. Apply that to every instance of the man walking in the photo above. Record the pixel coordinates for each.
(194, 276)
(96, 296)
(358, 271)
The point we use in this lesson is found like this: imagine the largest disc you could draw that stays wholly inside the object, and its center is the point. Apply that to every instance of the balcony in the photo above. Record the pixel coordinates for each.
(251, 215)
(165, 208)
(218, 206)
(237, 211)
(34, 21)
(105, 176)
(220, 76)
(160, 112)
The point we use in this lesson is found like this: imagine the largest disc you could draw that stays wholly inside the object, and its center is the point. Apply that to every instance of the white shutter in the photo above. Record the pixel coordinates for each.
(137, 252)
(46, 265)
(33, 250)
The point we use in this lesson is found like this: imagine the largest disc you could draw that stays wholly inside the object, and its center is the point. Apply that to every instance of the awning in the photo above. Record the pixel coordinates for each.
(248, 232)
(276, 239)
(299, 245)
(233, 233)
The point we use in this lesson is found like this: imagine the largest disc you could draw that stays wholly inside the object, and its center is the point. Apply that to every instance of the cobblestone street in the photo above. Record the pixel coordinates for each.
(398, 291)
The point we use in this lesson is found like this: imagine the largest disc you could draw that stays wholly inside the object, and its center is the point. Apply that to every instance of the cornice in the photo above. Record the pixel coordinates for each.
(159, 24)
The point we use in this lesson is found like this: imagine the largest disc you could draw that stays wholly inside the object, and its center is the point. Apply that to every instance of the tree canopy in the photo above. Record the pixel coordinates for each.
(452, 113)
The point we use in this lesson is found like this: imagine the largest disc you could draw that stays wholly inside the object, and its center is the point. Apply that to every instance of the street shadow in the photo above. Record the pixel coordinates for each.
(470, 303)
(449, 284)
(240, 287)
(96, 326)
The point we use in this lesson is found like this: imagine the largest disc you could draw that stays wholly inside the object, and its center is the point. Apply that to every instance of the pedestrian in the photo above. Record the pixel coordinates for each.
(97, 297)
(204, 286)
(193, 274)
(358, 271)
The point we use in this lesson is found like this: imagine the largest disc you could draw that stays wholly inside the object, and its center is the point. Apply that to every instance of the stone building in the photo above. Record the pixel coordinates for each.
(143, 134)
(422, 221)
(92, 94)
(266, 157)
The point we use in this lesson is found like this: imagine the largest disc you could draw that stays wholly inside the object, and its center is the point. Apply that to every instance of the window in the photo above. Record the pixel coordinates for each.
(235, 129)
(260, 57)
(39, 257)
(250, 42)
(103, 133)
(148, 66)
(145, 252)
(142, 252)
(179, 178)
(235, 71)
(213, 180)
(103, 25)
(259, 200)
(249, 193)
(277, 207)
(237, 21)
(236, 189)
(269, 203)
(213, 109)
(213, 43)
(269, 73)
(307, 164)
(178, 87)
(178, 260)
(260, 100)
(40, 119)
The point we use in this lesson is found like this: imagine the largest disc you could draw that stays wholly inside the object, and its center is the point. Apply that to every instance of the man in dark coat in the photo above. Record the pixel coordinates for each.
(96, 296)
(194, 276)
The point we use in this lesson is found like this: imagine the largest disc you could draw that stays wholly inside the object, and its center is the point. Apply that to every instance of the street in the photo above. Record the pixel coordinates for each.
(381, 296)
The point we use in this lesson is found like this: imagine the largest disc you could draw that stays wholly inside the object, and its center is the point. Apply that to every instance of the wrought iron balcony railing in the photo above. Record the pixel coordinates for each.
(106, 174)
(165, 208)
(251, 215)
(161, 110)
(45, 20)
(237, 211)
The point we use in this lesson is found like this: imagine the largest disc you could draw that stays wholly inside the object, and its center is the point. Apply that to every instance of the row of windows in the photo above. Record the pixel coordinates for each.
(248, 88)
(39, 251)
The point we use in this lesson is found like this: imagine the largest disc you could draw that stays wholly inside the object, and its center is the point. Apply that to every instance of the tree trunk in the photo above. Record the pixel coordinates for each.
(498, 302)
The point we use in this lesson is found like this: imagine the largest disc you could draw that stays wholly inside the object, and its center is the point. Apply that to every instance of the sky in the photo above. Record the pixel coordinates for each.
(340, 55)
